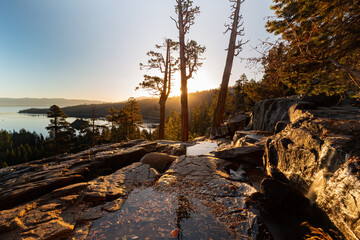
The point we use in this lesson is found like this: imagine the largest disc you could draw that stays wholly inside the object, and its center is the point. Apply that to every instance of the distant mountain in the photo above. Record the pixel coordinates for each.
(43, 102)
(149, 107)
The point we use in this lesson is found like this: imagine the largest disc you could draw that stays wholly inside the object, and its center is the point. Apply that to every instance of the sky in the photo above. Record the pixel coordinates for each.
(91, 49)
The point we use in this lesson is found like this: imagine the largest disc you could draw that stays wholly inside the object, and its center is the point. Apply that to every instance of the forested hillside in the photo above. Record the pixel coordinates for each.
(149, 107)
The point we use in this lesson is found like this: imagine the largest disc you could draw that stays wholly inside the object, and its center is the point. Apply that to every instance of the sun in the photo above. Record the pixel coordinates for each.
(200, 82)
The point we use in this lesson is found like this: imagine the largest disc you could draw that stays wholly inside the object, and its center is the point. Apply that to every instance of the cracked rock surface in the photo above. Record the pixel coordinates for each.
(318, 152)
(106, 175)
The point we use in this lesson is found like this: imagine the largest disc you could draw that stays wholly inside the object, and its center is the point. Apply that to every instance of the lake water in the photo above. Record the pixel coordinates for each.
(11, 120)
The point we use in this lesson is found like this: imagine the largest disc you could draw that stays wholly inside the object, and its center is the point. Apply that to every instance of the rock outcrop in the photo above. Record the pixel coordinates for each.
(252, 187)
(269, 112)
(314, 152)
(26, 182)
(66, 197)
(67, 211)
(236, 123)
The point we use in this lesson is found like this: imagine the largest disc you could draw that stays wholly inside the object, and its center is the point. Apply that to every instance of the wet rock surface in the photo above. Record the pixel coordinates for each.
(206, 178)
(67, 211)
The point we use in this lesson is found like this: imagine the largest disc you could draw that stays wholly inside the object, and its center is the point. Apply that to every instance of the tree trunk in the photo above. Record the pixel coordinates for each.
(163, 96)
(162, 119)
(184, 99)
(220, 106)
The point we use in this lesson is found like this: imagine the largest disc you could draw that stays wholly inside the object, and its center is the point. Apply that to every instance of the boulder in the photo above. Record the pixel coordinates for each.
(340, 197)
(193, 168)
(159, 161)
(249, 138)
(280, 125)
(269, 112)
(305, 148)
(171, 147)
(248, 154)
(238, 122)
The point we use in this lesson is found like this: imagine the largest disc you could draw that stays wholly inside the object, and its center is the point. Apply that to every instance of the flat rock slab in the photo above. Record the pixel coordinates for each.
(55, 215)
(110, 187)
(25, 182)
(203, 177)
(69, 211)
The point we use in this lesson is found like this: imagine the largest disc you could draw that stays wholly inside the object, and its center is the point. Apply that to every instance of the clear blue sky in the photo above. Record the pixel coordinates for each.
(91, 49)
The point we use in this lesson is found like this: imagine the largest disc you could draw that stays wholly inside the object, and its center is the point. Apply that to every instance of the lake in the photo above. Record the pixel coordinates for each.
(11, 120)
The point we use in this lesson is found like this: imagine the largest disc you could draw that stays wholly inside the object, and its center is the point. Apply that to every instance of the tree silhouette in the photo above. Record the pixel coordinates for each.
(234, 49)
(59, 128)
(189, 56)
(132, 118)
(125, 122)
(160, 86)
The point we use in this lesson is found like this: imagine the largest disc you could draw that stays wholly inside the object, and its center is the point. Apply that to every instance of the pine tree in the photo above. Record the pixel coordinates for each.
(229, 106)
(173, 126)
(239, 93)
(189, 53)
(234, 49)
(5, 141)
(200, 120)
(59, 128)
(319, 38)
(158, 86)
(132, 118)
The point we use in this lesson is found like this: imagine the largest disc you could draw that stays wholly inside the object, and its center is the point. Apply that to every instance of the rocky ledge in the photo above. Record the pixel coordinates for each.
(66, 197)
(294, 184)
(316, 149)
